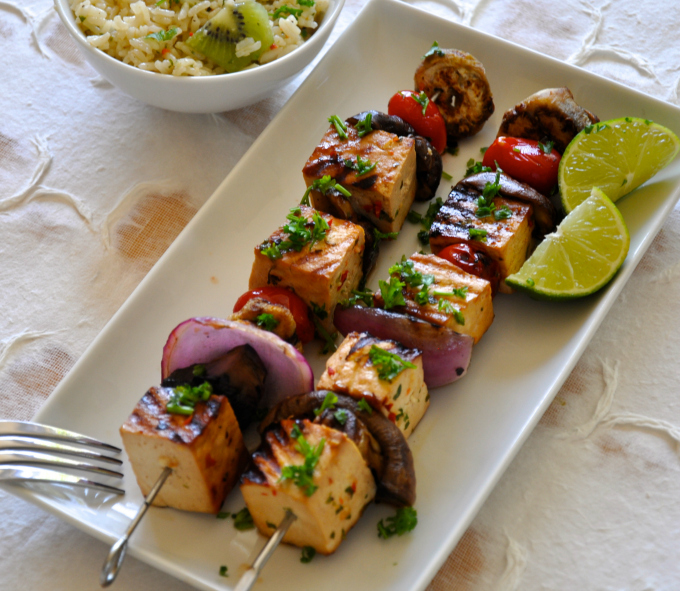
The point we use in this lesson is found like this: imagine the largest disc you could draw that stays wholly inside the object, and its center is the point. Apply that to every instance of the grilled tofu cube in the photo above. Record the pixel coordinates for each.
(322, 273)
(205, 451)
(473, 303)
(507, 241)
(327, 505)
(403, 399)
(382, 195)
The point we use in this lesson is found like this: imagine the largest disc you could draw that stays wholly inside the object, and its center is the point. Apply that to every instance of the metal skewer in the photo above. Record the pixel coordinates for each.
(250, 576)
(117, 553)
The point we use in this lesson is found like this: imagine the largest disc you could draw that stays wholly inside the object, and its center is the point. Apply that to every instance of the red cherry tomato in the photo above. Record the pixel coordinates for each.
(428, 122)
(284, 297)
(524, 160)
(474, 261)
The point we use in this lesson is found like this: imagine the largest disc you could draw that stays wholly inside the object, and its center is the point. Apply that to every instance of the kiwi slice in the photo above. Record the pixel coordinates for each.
(217, 38)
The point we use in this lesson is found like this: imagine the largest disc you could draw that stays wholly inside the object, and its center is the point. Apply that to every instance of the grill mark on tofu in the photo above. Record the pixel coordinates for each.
(392, 346)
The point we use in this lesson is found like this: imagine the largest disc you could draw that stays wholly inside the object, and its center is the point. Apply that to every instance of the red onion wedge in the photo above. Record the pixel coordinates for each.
(446, 354)
(199, 340)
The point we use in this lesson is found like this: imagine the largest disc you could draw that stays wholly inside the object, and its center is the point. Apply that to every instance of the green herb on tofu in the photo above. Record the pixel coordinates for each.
(184, 398)
(485, 204)
(323, 185)
(360, 166)
(391, 292)
(406, 272)
(450, 308)
(477, 234)
(340, 126)
(404, 521)
(388, 365)
(303, 475)
(300, 233)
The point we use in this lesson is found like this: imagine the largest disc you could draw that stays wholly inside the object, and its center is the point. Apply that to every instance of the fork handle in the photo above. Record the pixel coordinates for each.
(117, 552)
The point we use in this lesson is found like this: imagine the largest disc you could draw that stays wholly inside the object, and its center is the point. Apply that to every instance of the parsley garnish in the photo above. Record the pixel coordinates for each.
(388, 365)
(301, 232)
(547, 147)
(422, 99)
(365, 406)
(324, 184)
(434, 50)
(341, 416)
(306, 2)
(449, 308)
(308, 553)
(243, 520)
(223, 515)
(319, 311)
(184, 398)
(328, 403)
(475, 167)
(446, 176)
(364, 127)
(391, 292)
(358, 296)
(477, 234)
(267, 321)
(223, 571)
(502, 213)
(384, 235)
(162, 35)
(296, 12)
(485, 204)
(303, 475)
(340, 126)
(459, 292)
(405, 520)
(198, 370)
(361, 166)
(329, 339)
(425, 220)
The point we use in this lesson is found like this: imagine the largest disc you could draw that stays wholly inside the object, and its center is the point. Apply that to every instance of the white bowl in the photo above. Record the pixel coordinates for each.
(202, 94)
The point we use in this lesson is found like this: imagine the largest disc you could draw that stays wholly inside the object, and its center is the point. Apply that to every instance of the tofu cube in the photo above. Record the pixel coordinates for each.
(382, 195)
(507, 241)
(344, 484)
(205, 451)
(475, 307)
(323, 274)
(403, 400)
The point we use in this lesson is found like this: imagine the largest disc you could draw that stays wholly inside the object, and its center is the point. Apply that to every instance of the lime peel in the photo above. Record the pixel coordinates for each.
(580, 257)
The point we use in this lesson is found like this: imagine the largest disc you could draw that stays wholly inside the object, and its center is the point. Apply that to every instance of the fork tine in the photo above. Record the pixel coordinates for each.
(9, 428)
(31, 458)
(15, 443)
(28, 474)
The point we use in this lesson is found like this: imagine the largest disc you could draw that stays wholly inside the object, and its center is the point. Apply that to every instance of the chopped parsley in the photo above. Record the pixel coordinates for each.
(449, 308)
(407, 273)
(303, 475)
(328, 403)
(502, 213)
(223, 515)
(391, 292)
(267, 321)
(384, 235)
(340, 126)
(358, 296)
(323, 185)
(281, 10)
(365, 406)
(361, 166)
(162, 36)
(306, 2)
(475, 167)
(485, 204)
(425, 220)
(199, 370)
(434, 50)
(308, 553)
(364, 126)
(184, 398)
(341, 415)
(477, 234)
(328, 338)
(301, 232)
(319, 311)
(224, 571)
(459, 292)
(243, 520)
(388, 365)
(422, 99)
(404, 521)
(446, 176)
(547, 147)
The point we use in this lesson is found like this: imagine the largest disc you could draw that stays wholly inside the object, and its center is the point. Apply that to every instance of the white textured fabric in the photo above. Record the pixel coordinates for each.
(91, 194)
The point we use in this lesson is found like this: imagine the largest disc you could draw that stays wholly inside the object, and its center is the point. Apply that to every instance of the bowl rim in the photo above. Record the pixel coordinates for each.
(67, 17)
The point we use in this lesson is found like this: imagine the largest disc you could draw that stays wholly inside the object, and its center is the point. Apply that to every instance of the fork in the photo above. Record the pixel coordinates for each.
(30, 451)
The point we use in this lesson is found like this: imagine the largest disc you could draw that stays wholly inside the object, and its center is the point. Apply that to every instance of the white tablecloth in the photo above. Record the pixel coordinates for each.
(92, 193)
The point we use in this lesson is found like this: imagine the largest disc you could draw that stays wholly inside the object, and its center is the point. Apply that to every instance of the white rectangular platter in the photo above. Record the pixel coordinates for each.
(473, 428)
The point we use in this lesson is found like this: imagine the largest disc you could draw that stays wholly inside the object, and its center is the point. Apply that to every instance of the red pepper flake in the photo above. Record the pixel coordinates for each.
(331, 371)
(354, 486)
(273, 46)
(392, 417)
(377, 209)
(191, 34)
(165, 50)
(344, 276)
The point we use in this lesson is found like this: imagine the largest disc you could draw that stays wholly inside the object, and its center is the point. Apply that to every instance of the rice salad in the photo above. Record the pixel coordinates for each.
(152, 35)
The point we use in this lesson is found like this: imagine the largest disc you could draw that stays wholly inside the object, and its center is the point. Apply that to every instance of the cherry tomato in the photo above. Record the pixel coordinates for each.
(284, 297)
(524, 160)
(427, 122)
(474, 261)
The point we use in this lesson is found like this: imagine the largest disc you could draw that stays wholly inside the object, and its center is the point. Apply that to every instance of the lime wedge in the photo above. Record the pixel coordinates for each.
(580, 257)
(617, 156)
